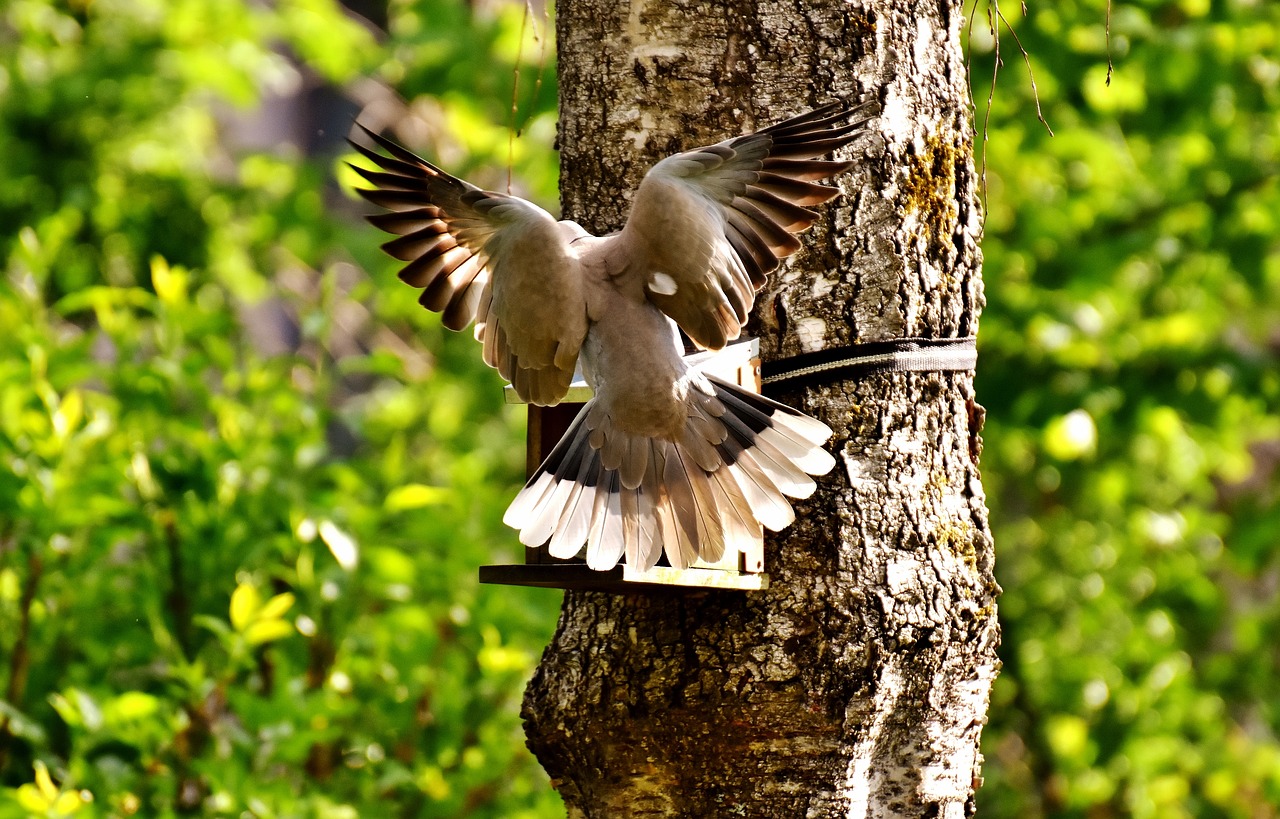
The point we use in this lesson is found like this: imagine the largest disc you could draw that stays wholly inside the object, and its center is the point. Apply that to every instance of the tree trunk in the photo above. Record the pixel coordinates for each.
(857, 685)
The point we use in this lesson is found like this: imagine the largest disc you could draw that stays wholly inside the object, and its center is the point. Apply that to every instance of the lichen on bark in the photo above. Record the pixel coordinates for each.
(858, 684)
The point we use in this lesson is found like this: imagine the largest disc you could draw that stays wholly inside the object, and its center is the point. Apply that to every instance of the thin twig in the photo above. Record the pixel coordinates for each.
(515, 96)
(973, 110)
(542, 50)
(20, 659)
(176, 599)
(1110, 66)
(1026, 58)
(991, 92)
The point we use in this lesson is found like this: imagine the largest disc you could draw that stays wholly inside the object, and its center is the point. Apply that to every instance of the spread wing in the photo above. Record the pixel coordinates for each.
(478, 255)
(708, 225)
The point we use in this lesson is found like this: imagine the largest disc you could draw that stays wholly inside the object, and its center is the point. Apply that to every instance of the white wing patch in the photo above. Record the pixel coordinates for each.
(662, 284)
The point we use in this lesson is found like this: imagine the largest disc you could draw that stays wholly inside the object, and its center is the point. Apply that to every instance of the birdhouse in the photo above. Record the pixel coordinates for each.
(738, 569)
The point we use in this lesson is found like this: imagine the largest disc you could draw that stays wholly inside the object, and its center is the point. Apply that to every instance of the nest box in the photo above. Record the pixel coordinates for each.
(738, 569)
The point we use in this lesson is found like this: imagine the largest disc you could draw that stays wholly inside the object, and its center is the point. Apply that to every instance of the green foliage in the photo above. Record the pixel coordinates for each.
(1130, 370)
(237, 572)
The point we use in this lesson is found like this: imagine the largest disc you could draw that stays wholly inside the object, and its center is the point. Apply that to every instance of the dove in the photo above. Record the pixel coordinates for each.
(664, 458)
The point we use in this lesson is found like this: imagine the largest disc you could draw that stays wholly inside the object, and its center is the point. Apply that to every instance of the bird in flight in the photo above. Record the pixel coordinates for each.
(663, 457)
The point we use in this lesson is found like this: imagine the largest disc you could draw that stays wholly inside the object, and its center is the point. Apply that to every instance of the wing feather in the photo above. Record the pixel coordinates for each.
(486, 257)
(715, 221)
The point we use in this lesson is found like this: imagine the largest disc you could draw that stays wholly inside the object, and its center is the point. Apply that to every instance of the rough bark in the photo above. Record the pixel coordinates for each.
(858, 683)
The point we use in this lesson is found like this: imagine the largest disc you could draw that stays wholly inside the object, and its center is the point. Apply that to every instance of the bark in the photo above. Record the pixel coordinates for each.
(858, 684)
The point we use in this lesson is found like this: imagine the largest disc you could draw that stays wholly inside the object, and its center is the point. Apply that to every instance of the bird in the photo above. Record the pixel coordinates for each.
(664, 458)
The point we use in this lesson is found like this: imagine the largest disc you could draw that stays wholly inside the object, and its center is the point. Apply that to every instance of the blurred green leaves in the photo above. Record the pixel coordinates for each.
(43, 798)
(229, 584)
(244, 486)
(1129, 366)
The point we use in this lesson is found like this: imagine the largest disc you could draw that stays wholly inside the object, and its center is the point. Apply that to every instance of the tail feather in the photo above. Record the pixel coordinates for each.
(629, 508)
(769, 413)
(528, 499)
(699, 447)
(543, 521)
(548, 516)
(647, 547)
(811, 459)
(689, 511)
(563, 463)
(766, 499)
(670, 535)
(636, 461)
(575, 523)
(741, 527)
(621, 496)
(789, 478)
(605, 546)
(650, 505)
(599, 507)
(709, 536)
(716, 526)
(614, 449)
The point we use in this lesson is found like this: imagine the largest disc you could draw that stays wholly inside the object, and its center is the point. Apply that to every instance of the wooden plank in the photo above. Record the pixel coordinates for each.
(620, 578)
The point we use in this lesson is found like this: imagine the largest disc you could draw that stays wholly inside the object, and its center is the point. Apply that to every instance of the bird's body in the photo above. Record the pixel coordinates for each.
(664, 458)
(639, 377)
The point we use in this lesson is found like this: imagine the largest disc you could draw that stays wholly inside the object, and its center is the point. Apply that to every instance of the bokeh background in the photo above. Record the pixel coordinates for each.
(245, 481)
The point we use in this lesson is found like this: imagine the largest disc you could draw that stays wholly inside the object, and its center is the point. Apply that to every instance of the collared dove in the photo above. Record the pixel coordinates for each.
(663, 457)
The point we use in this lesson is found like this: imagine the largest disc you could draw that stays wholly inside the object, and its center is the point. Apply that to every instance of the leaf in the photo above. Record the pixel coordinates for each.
(415, 496)
(275, 608)
(265, 631)
(69, 802)
(21, 725)
(140, 471)
(133, 705)
(170, 283)
(218, 627)
(103, 298)
(341, 545)
(245, 603)
(1071, 436)
(30, 798)
(69, 414)
(44, 783)
(77, 708)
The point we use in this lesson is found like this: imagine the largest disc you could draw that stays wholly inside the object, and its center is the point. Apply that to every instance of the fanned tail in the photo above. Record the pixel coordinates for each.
(715, 488)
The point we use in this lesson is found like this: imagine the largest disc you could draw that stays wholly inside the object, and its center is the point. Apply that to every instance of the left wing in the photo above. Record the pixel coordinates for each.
(708, 225)
(496, 259)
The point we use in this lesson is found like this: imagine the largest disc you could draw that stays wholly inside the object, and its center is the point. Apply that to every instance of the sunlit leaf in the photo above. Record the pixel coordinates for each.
(170, 283)
(341, 545)
(276, 607)
(1071, 436)
(44, 783)
(245, 604)
(265, 631)
(414, 496)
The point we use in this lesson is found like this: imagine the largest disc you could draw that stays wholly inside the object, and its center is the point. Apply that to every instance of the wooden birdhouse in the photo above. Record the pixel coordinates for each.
(738, 569)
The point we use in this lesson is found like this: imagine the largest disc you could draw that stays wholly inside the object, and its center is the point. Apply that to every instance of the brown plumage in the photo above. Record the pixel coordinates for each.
(663, 458)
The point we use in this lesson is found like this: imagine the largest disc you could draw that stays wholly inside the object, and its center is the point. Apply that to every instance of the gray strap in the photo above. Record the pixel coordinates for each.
(899, 355)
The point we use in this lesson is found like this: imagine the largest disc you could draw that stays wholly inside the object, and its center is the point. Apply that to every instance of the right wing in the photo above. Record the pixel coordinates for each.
(708, 225)
(478, 255)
